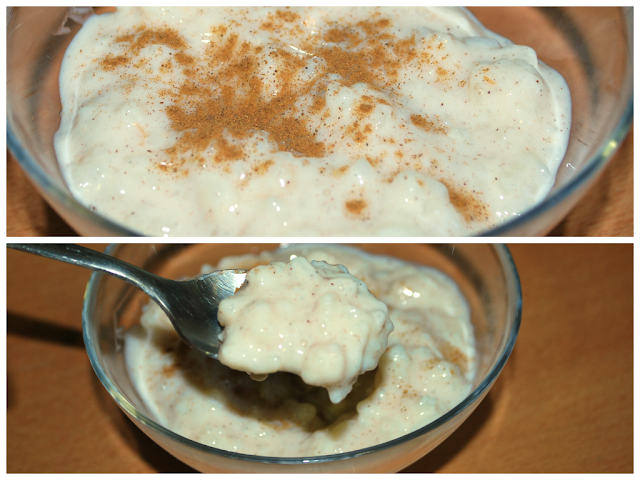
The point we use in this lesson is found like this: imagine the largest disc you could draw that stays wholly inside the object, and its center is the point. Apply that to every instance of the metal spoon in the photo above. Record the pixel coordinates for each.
(191, 305)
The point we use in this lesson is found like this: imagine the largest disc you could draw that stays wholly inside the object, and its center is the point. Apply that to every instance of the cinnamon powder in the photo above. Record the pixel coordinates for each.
(222, 101)
(355, 207)
(466, 203)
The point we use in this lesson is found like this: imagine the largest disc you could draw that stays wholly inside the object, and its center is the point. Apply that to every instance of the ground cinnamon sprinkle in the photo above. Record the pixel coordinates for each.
(364, 108)
(355, 207)
(341, 35)
(242, 108)
(427, 125)
(466, 203)
(318, 104)
(357, 133)
(372, 161)
(109, 62)
(225, 96)
(489, 80)
(226, 151)
(453, 355)
(443, 75)
(184, 59)
(263, 167)
(282, 19)
(339, 171)
(375, 28)
(287, 16)
(151, 36)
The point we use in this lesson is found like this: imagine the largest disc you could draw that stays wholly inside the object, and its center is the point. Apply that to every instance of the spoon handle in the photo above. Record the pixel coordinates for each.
(87, 258)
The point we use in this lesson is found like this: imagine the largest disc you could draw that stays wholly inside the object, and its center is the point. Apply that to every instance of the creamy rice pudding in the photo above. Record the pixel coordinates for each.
(427, 368)
(363, 121)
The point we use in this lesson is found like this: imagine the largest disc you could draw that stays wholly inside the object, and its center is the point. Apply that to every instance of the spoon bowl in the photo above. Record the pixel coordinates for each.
(191, 305)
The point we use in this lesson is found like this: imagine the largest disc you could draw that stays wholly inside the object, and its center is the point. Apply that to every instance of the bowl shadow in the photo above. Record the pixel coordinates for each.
(435, 460)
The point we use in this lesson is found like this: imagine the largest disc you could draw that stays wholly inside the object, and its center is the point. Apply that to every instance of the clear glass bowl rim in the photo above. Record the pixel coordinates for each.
(591, 168)
(511, 274)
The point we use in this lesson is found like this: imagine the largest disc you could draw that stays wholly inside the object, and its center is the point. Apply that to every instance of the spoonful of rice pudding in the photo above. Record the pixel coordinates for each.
(308, 318)
(304, 317)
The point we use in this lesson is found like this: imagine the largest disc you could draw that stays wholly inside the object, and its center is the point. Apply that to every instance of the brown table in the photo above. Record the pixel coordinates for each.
(564, 402)
(607, 210)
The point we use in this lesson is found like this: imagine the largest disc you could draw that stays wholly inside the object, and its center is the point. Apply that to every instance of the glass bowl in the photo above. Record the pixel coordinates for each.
(591, 47)
(485, 274)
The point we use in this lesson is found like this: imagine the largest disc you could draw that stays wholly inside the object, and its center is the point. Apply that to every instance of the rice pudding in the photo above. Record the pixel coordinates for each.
(427, 368)
(307, 121)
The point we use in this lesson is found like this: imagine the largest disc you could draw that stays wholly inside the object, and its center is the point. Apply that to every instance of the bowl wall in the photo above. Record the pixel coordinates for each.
(593, 50)
(485, 274)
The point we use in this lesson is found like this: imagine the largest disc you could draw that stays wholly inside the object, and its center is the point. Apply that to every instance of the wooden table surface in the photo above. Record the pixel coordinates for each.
(607, 210)
(564, 402)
